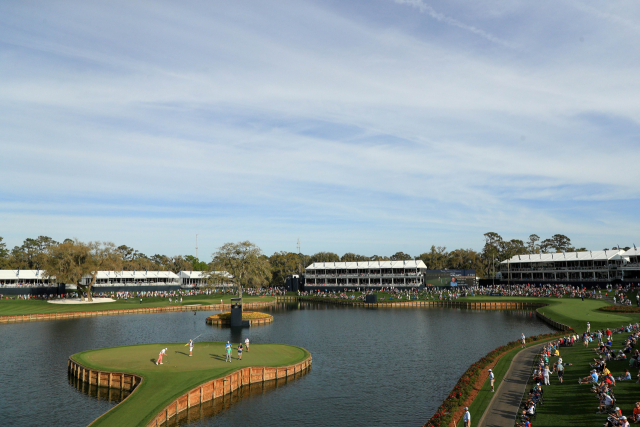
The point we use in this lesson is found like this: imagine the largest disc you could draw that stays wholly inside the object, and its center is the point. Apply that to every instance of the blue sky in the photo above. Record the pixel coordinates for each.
(368, 127)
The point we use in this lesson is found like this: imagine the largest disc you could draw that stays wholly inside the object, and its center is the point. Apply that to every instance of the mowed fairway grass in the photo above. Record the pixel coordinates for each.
(570, 404)
(164, 383)
(12, 307)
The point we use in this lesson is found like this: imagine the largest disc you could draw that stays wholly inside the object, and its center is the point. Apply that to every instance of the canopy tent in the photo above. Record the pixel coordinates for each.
(608, 255)
(362, 265)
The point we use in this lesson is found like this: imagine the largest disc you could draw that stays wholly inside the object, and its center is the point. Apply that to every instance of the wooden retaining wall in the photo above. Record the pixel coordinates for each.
(118, 380)
(505, 305)
(500, 305)
(75, 314)
(209, 390)
(219, 387)
(252, 322)
(552, 323)
(286, 298)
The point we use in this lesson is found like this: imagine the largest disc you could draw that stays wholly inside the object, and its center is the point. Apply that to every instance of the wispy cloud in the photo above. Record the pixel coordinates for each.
(352, 128)
(441, 17)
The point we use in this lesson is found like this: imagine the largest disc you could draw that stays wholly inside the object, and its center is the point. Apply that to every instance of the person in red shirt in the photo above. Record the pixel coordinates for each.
(636, 413)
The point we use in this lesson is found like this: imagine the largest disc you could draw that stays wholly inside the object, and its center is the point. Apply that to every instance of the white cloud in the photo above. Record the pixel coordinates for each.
(293, 112)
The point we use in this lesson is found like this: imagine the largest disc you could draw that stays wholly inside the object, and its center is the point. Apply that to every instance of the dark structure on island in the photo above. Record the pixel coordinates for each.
(236, 314)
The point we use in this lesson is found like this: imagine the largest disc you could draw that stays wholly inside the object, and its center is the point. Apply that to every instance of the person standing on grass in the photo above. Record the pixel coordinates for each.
(492, 379)
(524, 340)
(545, 374)
(240, 351)
(190, 348)
(588, 327)
(466, 417)
(560, 369)
(228, 350)
(246, 344)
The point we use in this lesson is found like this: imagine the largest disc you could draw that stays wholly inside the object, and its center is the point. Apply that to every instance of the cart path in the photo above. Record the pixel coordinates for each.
(503, 408)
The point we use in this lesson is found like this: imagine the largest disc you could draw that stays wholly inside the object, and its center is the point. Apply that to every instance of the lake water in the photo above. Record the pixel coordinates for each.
(390, 366)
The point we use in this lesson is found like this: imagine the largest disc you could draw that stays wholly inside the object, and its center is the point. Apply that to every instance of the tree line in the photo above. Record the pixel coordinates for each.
(39, 252)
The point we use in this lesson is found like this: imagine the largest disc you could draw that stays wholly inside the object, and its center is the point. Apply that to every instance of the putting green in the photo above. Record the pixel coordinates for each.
(178, 374)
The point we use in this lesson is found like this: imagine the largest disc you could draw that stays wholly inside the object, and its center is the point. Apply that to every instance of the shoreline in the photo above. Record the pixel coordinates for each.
(208, 390)
(19, 318)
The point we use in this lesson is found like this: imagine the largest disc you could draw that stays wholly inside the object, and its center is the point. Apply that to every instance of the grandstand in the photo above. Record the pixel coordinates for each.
(367, 274)
(195, 279)
(586, 266)
(24, 278)
(128, 278)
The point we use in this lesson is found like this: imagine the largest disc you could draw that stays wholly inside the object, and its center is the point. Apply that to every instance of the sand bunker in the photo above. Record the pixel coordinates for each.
(77, 301)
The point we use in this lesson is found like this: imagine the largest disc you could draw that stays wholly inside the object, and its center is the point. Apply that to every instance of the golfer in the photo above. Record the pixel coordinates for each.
(240, 351)
(523, 340)
(228, 349)
(246, 344)
(162, 352)
(190, 348)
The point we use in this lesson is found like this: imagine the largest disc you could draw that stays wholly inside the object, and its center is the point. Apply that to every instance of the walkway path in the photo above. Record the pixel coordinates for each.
(503, 409)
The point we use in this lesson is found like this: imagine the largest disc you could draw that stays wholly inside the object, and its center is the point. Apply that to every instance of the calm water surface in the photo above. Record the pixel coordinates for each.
(370, 366)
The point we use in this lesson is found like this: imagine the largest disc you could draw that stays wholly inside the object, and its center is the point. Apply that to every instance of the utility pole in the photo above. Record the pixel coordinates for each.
(299, 260)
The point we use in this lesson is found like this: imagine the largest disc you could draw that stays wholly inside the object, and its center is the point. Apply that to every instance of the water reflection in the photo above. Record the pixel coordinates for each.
(212, 408)
(379, 366)
(112, 395)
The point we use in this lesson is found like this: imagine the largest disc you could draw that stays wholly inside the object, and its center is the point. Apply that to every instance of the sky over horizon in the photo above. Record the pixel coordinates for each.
(368, 127)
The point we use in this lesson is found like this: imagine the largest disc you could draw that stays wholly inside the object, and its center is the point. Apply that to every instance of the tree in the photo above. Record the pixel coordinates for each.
(4, 254)
(436, 258)
(196, 264)
(532, 244)
(283, 264)
(557, 243)
(512, 248)
(32, 253)
(401, 256)
(178, 264)
(69, 262)
(491, 251)
(351, 257)
(324, 257)
(244, 261)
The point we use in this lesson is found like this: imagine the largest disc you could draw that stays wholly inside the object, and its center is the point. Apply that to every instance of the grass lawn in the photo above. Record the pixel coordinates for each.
(10, 307)
(178, 374)
(573, 404)
(572, 311)
(480, 403)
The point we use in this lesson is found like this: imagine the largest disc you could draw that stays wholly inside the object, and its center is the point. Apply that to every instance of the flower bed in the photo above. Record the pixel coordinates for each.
(620, 309)
(465, 385)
